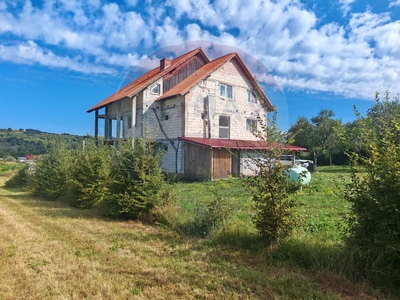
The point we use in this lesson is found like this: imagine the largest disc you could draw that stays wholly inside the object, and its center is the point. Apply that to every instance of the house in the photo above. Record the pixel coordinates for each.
(201, 112)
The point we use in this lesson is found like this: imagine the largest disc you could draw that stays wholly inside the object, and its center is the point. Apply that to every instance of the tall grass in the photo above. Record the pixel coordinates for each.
(315, 245)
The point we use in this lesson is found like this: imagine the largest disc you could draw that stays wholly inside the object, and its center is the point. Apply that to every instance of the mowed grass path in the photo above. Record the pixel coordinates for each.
(49, 250)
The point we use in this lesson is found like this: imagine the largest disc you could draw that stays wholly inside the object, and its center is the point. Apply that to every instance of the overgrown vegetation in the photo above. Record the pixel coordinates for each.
(136, 184)
(271, 188)
(51, 250)
(374, 222)
(128, 183)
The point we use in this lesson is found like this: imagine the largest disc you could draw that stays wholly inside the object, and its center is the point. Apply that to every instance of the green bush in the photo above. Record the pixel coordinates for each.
(87, 175)
(271, 189)
(374, 222)
(136, 184)
(51, 173)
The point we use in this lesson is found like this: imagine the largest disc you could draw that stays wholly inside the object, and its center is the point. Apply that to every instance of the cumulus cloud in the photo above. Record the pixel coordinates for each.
(304, 52)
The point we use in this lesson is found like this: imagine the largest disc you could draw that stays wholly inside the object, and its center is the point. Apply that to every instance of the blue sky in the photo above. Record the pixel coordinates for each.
(58, 58)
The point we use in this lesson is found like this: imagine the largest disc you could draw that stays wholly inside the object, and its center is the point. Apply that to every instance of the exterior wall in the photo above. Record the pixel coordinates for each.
(170, 115)
(188, 116)
(247, 166)
(237, 108)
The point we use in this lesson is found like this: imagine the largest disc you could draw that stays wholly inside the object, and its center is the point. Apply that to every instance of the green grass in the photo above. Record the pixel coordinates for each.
(320, 206)
(8, 166)
(51, 250)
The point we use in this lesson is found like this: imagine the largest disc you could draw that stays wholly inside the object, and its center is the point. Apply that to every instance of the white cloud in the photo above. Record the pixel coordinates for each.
(30, 53)
(345, 6)
(351, 59)
(394, 3)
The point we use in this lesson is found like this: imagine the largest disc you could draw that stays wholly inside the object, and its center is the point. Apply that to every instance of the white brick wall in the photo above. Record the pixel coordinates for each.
(238, 109)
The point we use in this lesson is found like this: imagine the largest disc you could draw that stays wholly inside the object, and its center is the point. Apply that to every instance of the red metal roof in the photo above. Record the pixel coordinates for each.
(184, 86)
(234, 144)
(145, 80)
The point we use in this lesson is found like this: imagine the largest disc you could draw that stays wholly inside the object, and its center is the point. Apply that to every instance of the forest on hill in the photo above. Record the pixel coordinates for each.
(21, 142)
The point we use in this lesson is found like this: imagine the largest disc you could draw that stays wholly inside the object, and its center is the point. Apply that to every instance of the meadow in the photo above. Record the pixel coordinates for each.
(49, 250)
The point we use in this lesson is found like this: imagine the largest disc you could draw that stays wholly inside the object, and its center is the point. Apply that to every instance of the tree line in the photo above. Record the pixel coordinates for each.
(327, 139)
(21, 142)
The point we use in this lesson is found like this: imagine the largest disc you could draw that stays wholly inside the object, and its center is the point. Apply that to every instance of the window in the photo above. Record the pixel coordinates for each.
(225, 91)
(224, 127)
(251, 98)
(251, 125)
(156, 89)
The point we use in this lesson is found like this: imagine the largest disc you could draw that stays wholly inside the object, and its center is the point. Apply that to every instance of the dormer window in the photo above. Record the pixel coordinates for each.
(156, 89)
(251, 98)
(225, 91)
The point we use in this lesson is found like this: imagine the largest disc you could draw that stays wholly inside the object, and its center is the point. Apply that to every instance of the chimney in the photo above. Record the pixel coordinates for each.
(164, 63)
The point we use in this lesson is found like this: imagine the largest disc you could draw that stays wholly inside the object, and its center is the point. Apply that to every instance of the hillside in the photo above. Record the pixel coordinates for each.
(31, 141)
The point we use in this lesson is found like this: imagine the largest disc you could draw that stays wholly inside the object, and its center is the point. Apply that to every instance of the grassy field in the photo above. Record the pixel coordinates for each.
(49, 250)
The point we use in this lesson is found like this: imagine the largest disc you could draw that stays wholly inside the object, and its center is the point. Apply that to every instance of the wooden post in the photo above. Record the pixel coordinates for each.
(106, 125)
(293, 157)
(96, 127)
(133, 126)
(118, 120)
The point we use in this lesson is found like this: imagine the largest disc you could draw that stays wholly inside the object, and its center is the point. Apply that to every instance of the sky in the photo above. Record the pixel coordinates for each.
(58, 58)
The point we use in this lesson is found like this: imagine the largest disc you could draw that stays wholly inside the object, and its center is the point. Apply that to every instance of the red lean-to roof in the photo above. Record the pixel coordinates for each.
(233, 144)
(145, 80)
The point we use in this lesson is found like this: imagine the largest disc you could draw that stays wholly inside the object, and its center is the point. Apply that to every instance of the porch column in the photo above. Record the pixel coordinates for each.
(293, 157)
(118, 120)
(133, 120)
(107, 129)
(96, 127)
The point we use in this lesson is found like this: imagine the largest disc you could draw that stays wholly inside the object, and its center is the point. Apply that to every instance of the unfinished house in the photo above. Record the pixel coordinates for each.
(201, 113)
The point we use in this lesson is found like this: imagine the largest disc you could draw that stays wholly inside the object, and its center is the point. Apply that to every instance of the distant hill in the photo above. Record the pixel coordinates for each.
(31, 141)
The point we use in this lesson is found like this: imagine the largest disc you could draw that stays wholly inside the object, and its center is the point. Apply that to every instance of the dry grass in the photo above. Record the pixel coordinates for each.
(51, 251)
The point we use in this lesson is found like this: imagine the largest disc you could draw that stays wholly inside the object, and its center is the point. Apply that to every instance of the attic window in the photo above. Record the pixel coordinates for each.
(225, 91)
(156, 89)
(251, 98)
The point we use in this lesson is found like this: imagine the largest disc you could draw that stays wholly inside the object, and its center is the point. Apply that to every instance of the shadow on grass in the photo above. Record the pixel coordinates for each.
(55, 209)
(334, 169)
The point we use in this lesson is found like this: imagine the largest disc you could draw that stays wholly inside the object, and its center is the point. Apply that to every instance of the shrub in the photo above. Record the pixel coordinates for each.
(271, 189)
(87, 175)
(51, 173)
(137, 184)
(374, 222)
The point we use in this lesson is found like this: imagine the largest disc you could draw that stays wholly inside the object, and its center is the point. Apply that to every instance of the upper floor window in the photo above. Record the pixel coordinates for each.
(251, 125)
(156, 89)
(224, 123)
(251, 98)
(225, 91)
